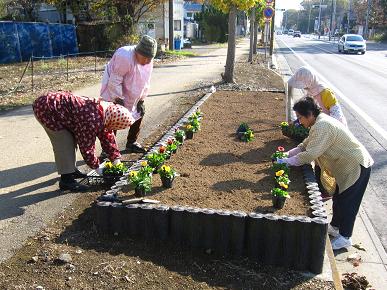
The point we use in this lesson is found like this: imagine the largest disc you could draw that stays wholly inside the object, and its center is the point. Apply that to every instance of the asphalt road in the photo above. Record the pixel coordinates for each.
(360, 81)
(29, 195)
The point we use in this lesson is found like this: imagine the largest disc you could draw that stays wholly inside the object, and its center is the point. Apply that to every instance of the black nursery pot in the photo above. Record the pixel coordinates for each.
(189, 134)
(240, 135)
(278, 201)
(156, 169)
(139, 191)
(167, 182)
(180, 139)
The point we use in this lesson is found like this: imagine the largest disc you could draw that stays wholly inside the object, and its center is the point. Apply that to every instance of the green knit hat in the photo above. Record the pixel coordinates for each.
(147, 47)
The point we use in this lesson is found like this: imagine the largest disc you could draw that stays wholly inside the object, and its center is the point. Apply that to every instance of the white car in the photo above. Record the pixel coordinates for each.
(352, 43)
(291, 32)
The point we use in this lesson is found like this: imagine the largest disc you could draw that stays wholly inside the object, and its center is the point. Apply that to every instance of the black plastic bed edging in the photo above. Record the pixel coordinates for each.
(296, 242)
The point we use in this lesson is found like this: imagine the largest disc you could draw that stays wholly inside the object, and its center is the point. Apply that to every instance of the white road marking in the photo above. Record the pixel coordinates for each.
(359, 111)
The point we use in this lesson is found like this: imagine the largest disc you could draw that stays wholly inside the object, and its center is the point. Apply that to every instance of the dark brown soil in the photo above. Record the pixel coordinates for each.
(219, 171)
(110, 263)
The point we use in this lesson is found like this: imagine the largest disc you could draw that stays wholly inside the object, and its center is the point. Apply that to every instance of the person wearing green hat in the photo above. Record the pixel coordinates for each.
(126, 81)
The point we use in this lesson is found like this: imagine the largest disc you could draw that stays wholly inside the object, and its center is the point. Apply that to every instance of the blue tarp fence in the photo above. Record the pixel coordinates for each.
(20, 40)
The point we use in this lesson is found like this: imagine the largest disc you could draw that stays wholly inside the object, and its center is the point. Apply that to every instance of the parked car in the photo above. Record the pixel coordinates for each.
(279, 32)
(297, 33)
(187, 43)
(286, 31)
(291, 32)
(352, 43)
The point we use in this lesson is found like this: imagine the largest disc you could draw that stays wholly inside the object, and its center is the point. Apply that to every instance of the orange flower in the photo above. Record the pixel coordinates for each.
(170, 142)
(162, 149)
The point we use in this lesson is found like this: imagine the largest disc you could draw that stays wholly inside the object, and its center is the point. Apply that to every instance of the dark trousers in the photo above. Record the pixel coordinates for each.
(346, 204)
(134, 131)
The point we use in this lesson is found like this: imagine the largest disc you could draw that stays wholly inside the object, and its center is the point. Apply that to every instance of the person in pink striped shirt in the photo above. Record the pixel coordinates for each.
(126, 81)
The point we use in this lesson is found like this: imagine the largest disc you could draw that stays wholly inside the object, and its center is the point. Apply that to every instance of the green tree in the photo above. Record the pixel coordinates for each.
(213, 24)
(19, 10)
(231, 7)
(125, 12)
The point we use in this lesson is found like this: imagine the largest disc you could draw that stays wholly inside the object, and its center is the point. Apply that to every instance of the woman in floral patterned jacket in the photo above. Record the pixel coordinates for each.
(71, 120)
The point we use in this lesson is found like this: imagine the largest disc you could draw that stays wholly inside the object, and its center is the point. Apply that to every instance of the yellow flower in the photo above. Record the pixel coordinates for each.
(108, 165)
(133, 174)
(189, 127)
(282, 184)
(144, 163)
(284, 124)
(165, 168)
(279, 173)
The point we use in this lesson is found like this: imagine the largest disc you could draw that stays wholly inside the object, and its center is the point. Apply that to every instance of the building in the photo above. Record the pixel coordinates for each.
(191, 28)
(156, 23)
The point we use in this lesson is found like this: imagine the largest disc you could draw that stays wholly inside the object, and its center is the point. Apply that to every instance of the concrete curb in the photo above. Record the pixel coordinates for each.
(335, 272)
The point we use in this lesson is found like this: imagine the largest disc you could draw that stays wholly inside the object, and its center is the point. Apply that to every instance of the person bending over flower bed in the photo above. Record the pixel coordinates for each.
(126, 81)
(304, 79)
(71, 120)
(344, 162)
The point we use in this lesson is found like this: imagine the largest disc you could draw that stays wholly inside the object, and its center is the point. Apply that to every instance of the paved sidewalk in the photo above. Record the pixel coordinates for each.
(373, 259)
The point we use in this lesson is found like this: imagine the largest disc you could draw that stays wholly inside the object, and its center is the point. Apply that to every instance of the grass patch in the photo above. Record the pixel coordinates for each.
(180, 53)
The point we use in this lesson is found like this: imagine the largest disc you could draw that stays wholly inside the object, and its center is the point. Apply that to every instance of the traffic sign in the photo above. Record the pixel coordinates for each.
(268, 12)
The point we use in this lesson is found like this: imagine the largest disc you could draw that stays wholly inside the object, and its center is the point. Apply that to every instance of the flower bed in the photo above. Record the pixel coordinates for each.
(225, 187)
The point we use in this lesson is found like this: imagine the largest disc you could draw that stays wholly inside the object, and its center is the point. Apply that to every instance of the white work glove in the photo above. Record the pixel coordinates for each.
(282, 161)
(294, 151)
(99, 170)
(116, 162)
(292, 161)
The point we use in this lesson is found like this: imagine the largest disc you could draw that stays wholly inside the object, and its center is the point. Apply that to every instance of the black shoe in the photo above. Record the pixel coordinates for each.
(78, 174)
(72, 186)
(135, 148)
(103, 156)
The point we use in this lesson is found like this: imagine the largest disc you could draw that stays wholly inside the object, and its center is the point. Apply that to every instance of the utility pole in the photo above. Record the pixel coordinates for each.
(331, 22)
(334, 18)
(349, 15)
(310, 12)
(366, 33)
(286, 19)
(272, 31)
(171, 38)
(319, 19)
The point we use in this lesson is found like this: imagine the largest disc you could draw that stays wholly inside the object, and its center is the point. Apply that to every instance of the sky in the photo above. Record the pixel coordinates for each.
(285, 4)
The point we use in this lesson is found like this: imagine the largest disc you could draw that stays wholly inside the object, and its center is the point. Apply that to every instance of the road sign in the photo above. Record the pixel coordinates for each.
(268, 12)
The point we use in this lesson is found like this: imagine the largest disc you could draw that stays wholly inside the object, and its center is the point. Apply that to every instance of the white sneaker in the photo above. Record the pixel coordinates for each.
(333, 231)
(341, 242)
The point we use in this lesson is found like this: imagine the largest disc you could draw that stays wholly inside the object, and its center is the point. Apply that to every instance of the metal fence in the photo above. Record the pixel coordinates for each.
(38, 69)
